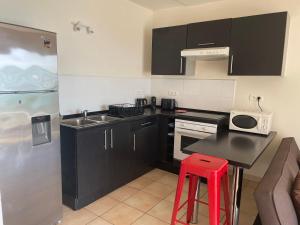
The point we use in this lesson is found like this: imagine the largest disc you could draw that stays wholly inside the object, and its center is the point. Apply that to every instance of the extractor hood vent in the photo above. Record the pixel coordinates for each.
(206, 53)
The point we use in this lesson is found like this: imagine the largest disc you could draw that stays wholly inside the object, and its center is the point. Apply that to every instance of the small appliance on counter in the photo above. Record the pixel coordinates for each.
(168, 104)
(141, 102)
(153, 103)
(125, 110)
(251, 122)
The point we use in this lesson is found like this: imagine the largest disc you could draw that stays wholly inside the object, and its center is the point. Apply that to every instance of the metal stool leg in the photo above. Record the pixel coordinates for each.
(214, 200)
(193, 185)
(178, 195)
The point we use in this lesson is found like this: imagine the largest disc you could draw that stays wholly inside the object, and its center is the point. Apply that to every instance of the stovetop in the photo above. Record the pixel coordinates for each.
(204, 117)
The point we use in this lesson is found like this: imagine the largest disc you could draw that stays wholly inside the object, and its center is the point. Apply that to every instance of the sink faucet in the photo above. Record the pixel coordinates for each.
(85, 113)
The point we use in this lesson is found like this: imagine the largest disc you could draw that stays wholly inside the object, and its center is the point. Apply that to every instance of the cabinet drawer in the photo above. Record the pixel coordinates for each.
(140, 124)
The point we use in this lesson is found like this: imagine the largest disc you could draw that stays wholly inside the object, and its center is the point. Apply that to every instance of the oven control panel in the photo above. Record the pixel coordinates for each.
(196, 126)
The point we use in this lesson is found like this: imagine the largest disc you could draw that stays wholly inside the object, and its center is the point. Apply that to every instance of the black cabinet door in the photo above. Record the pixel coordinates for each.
(145, 146)
(118, 154)
(167, 44)
(257, 44)
(92, 164)
(209, 34)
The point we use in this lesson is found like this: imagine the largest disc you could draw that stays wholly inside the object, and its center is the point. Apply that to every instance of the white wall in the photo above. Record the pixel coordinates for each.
(1, 217)
(280, 94)
(119, 46)
(95, 93)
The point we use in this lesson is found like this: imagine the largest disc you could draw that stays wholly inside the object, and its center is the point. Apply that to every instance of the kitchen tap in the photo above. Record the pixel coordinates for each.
(84, 113)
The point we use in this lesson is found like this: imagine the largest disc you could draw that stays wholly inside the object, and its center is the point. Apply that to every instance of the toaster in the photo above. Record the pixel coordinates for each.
(168, 104)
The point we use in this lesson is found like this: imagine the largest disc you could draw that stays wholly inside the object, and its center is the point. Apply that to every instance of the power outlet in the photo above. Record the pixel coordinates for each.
(173, 93)
(254, 98)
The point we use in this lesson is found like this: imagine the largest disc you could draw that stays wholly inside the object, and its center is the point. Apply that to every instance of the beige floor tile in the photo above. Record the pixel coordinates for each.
(171, 197)
(122, 214)
(140, 183)
(149, 220)
(246, 219)
(155, 174)
(102, 205)
(202, 220)
(79, 217)
(163, 211)
(248, 206)
(159, 190)
(123, 193)
(143, 201)
(99, 221)
(66, 209)
(169, 179)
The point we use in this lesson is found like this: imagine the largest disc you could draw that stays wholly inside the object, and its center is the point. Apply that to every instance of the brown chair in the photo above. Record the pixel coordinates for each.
(275, 206)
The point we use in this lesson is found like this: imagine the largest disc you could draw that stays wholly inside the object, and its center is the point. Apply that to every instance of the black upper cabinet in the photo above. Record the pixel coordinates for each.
(209, 34)
(167, 44)
(257, 44)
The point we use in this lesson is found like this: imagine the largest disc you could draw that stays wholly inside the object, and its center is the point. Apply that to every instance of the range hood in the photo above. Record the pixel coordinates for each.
(206, 53)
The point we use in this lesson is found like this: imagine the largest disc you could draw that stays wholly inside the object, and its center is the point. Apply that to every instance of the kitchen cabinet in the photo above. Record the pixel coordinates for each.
(167, 44)
(257, 44)
(92, 165)
(94, 162)
(119, 161)
(208, 34)
(97, 160)
(144, 146)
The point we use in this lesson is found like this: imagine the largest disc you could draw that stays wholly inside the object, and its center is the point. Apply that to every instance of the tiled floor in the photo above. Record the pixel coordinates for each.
(148, 200)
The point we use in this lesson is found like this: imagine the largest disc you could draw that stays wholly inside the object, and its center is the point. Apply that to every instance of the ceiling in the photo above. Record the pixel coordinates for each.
(163, 4)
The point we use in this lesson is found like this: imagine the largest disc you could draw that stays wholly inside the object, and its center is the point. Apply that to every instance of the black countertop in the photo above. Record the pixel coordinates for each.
(240, 149)
(206, 116)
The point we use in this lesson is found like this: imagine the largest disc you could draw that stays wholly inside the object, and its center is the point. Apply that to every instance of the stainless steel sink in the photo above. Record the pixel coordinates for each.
(102, 118)
(79, 122)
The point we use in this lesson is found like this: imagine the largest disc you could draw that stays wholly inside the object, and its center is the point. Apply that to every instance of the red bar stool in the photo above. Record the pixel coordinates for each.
(215, 170)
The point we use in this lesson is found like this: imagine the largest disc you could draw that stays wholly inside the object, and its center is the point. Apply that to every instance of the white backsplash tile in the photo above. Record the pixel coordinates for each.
(215, 95)
(95, 93)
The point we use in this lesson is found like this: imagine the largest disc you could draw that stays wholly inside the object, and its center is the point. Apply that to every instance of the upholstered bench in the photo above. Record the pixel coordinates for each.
(273, 199)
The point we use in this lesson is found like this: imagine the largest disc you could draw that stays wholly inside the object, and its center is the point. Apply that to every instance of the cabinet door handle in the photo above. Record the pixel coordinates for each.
(111, 139)
(134, 142)
(208, 43)
(145, 124)
(231, 64)
(105, 140)
(181, 66)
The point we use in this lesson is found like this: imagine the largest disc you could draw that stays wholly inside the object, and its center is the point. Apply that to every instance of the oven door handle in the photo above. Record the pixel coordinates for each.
(192, 133)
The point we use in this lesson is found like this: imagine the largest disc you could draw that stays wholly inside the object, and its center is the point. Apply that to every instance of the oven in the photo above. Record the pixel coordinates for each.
(188, 132)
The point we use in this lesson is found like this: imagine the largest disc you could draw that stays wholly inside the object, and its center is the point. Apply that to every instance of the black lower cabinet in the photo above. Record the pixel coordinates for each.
(119, 161)
(93, 166)
(100, 159)
(144, 146)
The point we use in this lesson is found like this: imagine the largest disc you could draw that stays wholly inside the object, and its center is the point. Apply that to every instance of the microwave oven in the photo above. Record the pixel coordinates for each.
(252, 122)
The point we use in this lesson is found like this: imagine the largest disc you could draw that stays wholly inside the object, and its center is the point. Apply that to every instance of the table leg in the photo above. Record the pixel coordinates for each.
(196, 206)
(236, 194)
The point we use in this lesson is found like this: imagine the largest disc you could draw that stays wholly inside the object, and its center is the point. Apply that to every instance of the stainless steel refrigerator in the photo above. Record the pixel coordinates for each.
(30, 168)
